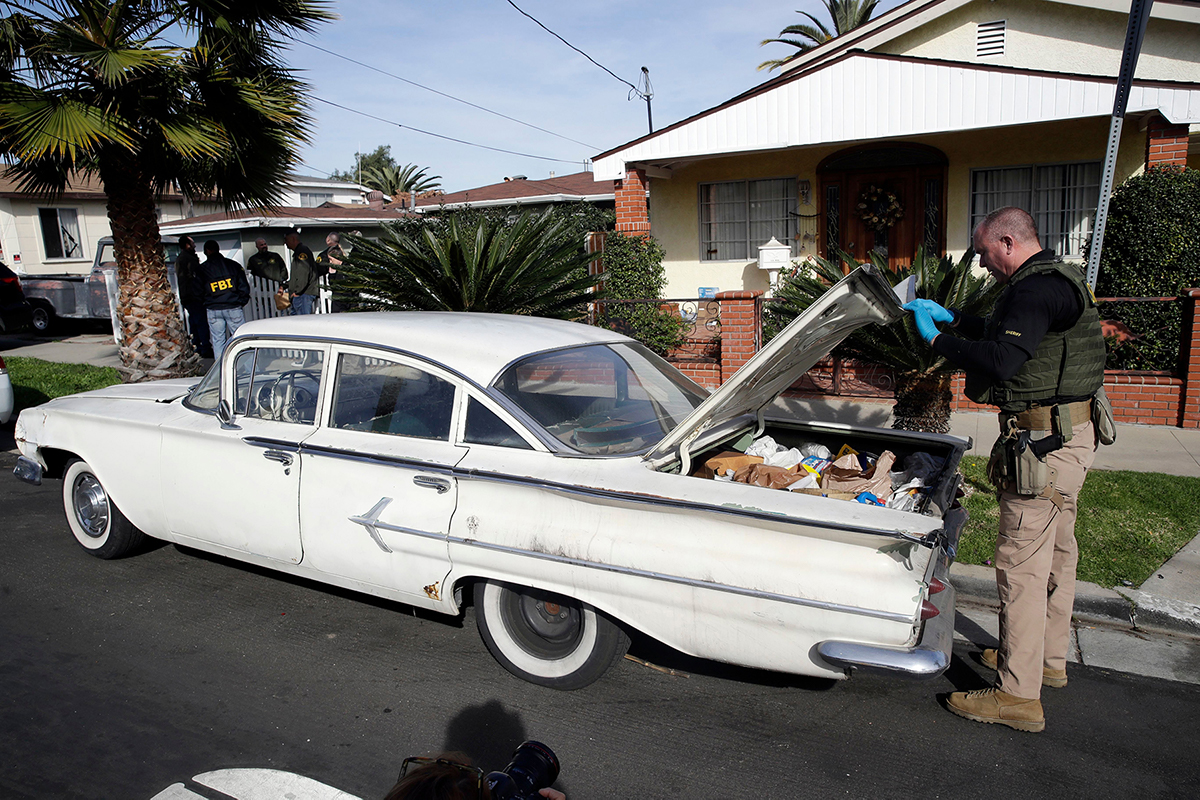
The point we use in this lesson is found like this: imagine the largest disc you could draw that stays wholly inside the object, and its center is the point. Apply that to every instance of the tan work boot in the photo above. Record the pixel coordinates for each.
(993, 705)
(1055, 678)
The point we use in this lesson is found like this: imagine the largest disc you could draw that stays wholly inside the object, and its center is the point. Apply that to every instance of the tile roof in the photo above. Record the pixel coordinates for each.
(577, 186)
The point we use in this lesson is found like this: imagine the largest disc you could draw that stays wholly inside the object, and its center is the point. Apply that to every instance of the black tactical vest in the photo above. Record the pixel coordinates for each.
(1067, 365)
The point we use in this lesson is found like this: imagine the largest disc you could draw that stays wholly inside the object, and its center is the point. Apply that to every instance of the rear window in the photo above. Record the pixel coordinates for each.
(602, 399)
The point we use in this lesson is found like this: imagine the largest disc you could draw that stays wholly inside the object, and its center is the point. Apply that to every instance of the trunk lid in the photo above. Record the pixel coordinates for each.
(862, 297)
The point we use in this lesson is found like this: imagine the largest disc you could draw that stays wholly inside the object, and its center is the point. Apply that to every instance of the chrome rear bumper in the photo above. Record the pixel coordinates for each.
(928, 658)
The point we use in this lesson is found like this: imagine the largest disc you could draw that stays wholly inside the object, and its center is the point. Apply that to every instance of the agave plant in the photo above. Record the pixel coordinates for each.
(534, 265)
(922, 376)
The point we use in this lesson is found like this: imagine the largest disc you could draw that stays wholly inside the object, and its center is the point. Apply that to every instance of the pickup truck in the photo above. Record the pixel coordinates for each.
(83, 296)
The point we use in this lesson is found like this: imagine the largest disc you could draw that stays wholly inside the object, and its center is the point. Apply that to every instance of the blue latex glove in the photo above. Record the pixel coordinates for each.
(926, 313)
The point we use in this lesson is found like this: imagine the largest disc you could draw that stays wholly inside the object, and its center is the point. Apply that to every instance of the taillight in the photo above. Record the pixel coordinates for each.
(936, 586)
(13, 279)
(928, 610)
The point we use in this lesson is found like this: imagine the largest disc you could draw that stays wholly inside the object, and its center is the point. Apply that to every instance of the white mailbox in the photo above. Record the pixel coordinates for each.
(774, 256)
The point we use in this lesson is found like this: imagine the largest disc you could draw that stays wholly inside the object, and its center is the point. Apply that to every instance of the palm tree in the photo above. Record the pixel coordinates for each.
(102, 87)
(846, 15)
(922, 377)
(394, 180)
(472, 261)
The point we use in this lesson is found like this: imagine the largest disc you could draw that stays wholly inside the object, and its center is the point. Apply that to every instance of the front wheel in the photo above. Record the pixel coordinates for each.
(544, 638)
(98, 525)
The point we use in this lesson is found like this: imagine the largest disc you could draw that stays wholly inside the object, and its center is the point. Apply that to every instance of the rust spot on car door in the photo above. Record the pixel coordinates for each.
(431, 591)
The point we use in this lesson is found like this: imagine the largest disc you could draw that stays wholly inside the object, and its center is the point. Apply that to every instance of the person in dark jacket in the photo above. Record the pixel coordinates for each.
(186, 265)
(303, 278)
(222, 284)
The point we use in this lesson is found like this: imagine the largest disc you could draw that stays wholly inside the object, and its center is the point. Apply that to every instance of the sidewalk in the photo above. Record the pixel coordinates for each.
(1110, 626)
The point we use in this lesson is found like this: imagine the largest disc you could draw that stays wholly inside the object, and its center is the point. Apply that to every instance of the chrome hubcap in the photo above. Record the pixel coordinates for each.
(91, 505)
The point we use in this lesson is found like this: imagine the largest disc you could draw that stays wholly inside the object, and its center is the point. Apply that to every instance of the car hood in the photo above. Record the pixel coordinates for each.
(158, 391)
(861, 297)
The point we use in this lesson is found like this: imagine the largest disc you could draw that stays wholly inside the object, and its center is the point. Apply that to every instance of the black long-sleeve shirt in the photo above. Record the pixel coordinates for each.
(1031, 309)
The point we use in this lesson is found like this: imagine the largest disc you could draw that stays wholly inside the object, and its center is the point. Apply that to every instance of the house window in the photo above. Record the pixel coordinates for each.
(315, 199)
(60, 232)
(989, 39)
(1061, 197)
(738, 216)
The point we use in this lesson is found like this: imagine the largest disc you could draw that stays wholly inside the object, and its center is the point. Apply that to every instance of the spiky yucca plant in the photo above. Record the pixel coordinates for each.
(534, 265)
(922, 377)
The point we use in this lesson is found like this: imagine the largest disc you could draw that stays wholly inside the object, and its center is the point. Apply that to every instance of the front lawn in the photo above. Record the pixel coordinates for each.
(1129, 522)
(35, 381)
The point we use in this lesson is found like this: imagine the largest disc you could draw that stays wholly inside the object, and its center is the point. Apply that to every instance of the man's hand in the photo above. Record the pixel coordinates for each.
(926, 313)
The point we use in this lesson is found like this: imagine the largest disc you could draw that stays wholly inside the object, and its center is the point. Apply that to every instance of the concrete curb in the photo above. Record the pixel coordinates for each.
(1136, 609)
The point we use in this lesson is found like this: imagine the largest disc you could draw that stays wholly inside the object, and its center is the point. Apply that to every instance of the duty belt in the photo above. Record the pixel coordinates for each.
(1042, 418)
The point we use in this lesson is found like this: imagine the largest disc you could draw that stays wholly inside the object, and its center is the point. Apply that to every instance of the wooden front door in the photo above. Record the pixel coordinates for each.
(907, 202)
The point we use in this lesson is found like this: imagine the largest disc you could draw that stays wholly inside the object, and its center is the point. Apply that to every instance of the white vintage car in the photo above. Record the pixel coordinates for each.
(544, 470)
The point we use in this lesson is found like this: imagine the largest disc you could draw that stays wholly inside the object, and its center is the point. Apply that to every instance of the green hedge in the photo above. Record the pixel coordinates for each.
(1151, 249)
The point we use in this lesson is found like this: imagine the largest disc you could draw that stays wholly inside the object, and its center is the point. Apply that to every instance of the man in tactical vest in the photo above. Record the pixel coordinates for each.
(1039, 356)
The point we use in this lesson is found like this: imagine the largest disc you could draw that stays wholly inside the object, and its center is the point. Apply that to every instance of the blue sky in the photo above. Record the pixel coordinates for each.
(699, 53)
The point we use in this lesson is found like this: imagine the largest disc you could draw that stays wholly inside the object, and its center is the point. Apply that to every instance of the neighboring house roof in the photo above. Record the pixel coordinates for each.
(559, 189)
(285, 217)
(895, 96)
(82, 187)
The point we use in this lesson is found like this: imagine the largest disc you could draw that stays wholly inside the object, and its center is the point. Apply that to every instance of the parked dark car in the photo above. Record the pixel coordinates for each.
(15, 311)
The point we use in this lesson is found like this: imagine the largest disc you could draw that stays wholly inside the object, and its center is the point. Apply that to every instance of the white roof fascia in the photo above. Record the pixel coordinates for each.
(863, 97)
(182, 226)
(879, 30)
(522, 201)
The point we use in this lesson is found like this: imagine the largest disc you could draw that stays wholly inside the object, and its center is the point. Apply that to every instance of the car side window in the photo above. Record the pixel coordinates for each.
(381, 396)
(207, 393)
(484, 427)
(280, 384)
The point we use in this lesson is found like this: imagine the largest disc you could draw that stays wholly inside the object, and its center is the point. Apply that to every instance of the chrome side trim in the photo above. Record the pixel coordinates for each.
(365, 458)
(272, 444)
(928, 658)
(678, 579)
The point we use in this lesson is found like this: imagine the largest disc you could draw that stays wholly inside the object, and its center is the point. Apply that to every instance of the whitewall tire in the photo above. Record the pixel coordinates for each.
(544, 638)
(94, 519)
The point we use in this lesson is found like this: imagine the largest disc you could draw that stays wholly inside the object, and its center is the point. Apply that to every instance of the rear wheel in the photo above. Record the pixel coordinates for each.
(97, 523)
(545, 638)
(43, 318)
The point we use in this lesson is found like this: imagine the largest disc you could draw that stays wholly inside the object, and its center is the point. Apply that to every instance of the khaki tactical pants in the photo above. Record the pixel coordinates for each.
(1036, 556)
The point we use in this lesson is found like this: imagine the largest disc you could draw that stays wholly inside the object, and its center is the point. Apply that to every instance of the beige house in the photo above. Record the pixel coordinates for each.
(59, 237)
(926, 118)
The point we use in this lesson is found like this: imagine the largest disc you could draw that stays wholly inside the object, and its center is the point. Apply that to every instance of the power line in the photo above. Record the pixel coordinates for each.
(448, 96)
(439, 135)
(577, 50)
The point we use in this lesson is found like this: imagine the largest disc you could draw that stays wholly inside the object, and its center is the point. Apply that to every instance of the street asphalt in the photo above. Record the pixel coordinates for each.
(1153, 629)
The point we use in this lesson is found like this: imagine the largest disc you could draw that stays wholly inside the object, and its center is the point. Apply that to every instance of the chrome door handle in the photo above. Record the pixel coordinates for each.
(278, 455)
(441, 484)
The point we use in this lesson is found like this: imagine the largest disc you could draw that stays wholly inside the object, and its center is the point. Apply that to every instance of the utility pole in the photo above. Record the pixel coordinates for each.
(1139, 13)
(647, 92)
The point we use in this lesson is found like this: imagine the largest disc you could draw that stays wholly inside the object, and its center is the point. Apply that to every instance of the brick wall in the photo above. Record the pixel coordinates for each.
(633, 214)
(1137, 397)
(1166, 143)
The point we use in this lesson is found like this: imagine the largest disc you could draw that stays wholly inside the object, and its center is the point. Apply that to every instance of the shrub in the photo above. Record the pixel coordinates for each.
(1151, 249)
(633, 271)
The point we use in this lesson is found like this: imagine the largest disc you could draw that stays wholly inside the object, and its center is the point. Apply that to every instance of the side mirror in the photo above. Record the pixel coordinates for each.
(225, 415)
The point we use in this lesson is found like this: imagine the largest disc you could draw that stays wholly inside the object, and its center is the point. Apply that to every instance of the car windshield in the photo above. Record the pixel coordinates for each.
(603, 399)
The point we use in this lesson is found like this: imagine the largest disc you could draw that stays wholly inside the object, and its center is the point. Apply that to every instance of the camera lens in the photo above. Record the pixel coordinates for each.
(533, 766)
